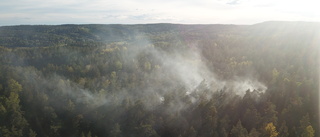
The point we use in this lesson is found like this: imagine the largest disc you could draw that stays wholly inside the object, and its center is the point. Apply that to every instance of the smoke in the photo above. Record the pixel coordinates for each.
(241, 85)
(190, 70)
(57, 85)
(174, 79)
(181, 77)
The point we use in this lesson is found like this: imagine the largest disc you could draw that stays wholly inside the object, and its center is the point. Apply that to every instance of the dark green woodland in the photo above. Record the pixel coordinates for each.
(160, 80)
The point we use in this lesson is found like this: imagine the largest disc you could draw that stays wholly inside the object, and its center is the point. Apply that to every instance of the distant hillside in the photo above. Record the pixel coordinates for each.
(81, 35)
(42, 35)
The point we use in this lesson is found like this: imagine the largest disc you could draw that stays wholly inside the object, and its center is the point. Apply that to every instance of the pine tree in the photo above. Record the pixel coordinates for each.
(32, 133)
(283, 130)
(116, 132)
(254, 133)
(239, 130)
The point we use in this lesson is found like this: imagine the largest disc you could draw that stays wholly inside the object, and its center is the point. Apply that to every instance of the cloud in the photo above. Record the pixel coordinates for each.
(234, 2)
(140, 11)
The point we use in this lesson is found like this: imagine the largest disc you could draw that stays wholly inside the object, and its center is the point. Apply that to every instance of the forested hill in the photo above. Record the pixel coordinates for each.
(79, 35)
(168, 80)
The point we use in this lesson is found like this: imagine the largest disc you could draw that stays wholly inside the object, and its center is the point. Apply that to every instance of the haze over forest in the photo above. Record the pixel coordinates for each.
(152, 80)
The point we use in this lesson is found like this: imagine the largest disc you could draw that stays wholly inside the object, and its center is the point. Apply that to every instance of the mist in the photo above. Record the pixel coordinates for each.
(178, 78)
(159, 80)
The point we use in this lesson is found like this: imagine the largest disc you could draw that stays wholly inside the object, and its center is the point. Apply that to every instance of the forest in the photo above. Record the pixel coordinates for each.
(160, 80)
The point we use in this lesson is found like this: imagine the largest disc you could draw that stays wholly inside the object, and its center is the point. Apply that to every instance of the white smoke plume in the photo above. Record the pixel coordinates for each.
(181, 77)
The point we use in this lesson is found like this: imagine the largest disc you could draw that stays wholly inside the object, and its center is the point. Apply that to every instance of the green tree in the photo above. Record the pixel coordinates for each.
(118, 65)
(13, 86)
(251, 118)
(32, 133)
(113, 80)
(82, 135)
(283, 130)
(209, 123)
(14, 122)
(308, 132)
(239, 130)
(116, 131)
(305, 122)
(89, 134)
(191, 132)
(146, 131)
(223, 133)
(270, 113)
(254, 133)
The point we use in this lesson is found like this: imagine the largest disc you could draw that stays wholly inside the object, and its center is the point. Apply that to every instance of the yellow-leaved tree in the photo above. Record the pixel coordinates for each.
(271, 130)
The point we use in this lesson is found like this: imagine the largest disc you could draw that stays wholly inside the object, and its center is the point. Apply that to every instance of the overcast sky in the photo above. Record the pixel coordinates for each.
(16, 12)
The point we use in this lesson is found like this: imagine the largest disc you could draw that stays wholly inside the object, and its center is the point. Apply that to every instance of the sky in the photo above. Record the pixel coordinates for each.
(53, 12)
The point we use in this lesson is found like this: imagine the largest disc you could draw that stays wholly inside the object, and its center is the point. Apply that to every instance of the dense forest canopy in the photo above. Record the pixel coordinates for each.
(152, 80)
